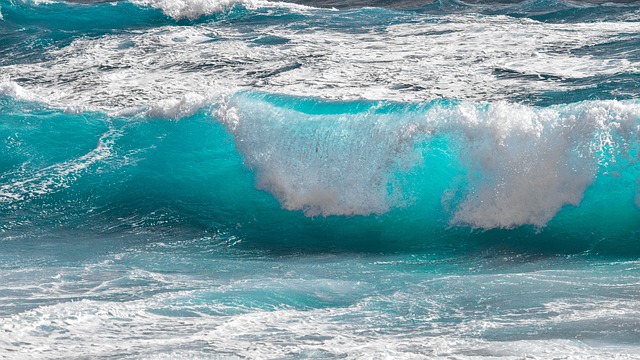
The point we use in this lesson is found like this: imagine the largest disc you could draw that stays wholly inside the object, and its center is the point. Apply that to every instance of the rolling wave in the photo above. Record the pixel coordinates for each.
(432, 170)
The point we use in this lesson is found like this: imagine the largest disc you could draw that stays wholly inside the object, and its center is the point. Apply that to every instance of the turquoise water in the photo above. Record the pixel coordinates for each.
(249, 179)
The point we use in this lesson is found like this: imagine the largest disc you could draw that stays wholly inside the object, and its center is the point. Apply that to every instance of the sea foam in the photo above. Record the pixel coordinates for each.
(193, 9)
(12, 89)
(523, 164)
(471, 57)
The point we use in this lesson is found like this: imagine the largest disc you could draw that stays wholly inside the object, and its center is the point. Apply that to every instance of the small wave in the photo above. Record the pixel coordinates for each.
(194, 9)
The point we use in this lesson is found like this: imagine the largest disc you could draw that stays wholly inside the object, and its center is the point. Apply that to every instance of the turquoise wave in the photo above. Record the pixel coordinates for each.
(287, 173)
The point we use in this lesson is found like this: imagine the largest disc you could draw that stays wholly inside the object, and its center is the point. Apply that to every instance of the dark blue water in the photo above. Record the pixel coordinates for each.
(328, 179)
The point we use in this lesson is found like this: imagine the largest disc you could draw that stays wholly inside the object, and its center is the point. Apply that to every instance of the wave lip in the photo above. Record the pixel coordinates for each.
(320, 164)
(522, 164)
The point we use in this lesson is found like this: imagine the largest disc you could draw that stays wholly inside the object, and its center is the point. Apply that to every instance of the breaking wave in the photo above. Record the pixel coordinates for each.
(437, 167)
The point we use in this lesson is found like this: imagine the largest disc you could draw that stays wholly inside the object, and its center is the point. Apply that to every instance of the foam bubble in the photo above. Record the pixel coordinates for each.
(526, 163)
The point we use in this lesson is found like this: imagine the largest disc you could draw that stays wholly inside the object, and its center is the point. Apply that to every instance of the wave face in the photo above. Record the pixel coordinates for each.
(320, 179)
(522, 164)
(434, 167)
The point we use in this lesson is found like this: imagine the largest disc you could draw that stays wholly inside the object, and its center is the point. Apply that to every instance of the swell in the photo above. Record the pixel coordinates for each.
(99, 17)
(30, 29)
(299, 173)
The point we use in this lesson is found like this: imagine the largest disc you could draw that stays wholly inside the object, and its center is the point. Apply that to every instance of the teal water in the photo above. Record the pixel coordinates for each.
(320, 180)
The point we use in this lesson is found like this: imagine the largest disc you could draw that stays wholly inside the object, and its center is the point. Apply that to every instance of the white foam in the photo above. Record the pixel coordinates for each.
(12, 89)
(321, 164)
(524, 163)
(193, 9)
(473, 57)
(99, 328)
(184, 107)
(118, 301)
(56, 176)
(38, 2)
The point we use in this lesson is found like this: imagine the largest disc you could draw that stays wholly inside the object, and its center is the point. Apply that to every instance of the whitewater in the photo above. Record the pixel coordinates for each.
(205, 179)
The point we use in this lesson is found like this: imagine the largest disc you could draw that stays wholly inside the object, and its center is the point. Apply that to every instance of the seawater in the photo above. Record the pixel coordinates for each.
(319, 179)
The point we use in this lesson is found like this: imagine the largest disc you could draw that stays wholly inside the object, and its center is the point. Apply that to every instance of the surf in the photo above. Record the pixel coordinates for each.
(391, 179)
(435, 170)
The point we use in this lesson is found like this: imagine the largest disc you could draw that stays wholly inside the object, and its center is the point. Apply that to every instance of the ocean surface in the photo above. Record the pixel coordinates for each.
(324, 179)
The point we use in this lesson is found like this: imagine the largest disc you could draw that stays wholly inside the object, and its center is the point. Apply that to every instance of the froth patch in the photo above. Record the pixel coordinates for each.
(476, 58)
(193, 9)
(186, 106)
(526, 166)
(12, 89)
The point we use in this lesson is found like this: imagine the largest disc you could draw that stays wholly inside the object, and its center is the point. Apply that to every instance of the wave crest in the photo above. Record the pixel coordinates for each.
(522, 164)
(194, 9)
